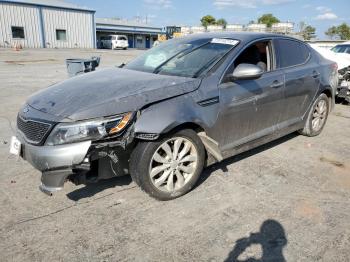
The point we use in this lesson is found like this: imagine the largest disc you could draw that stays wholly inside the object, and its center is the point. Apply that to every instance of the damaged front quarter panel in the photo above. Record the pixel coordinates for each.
(163, 117)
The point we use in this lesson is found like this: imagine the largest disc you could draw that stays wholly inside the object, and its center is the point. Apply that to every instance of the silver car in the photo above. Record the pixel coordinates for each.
(177, 108)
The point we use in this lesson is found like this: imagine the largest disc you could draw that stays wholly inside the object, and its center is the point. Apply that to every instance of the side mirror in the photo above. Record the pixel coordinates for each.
(246, 72)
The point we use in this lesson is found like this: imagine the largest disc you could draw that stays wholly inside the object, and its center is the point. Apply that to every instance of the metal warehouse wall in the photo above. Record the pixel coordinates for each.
(79, 25)
(16, 15)
(40, 24)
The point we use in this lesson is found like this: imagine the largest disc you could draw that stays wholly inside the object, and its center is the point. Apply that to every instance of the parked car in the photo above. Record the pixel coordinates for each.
(178, 107)
(342, 59)
(115, 42)
(342, 48)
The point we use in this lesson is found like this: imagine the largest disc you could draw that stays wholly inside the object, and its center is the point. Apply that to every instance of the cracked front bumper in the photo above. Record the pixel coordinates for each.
(55, 162)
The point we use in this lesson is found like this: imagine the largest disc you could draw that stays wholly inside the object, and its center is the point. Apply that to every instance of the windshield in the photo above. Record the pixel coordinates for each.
(179, 58)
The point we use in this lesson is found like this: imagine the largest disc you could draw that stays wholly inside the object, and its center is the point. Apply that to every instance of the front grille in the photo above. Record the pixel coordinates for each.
(33, 131)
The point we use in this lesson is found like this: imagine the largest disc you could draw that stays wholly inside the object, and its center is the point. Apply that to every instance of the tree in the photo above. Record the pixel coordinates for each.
(308, 32)
(268, 19)
(332, 32)
(342, 31)
(208, 20)
(222, 22)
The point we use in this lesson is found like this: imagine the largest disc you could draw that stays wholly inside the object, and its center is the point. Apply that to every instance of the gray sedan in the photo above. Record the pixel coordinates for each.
(177, 108)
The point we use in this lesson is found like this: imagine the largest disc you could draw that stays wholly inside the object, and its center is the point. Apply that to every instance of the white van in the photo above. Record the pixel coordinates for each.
(114, 41)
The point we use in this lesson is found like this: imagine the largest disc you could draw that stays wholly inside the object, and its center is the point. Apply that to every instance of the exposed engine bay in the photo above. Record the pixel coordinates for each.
(343, 89)
(343, 62)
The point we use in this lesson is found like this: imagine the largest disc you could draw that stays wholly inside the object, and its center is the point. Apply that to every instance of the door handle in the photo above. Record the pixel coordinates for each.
(276, 84)
(315, 74)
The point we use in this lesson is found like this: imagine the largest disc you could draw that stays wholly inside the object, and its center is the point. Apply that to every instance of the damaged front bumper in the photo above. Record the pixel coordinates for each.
(343, 90)
(55, 162)
(344, 93)
(80, 162)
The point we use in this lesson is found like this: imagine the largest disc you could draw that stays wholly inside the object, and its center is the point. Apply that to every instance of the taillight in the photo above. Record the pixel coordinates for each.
(334, 66)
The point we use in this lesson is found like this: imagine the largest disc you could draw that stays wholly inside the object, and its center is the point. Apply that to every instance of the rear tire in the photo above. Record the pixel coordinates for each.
(317, 117)
(170, 167)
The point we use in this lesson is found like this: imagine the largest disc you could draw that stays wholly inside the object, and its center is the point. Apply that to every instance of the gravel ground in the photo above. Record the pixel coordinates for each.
(295, 190)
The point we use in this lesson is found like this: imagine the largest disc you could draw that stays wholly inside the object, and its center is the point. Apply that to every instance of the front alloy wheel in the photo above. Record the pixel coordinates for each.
(172, 164)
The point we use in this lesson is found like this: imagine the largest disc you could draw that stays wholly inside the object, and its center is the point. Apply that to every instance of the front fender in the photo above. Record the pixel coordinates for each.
(164, 116)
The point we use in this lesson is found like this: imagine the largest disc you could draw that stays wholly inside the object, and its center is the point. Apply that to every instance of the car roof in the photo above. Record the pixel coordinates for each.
(241, 36)
(343, 44)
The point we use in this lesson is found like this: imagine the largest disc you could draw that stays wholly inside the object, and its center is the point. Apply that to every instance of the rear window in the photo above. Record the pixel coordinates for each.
(291, 53)
(121, 38)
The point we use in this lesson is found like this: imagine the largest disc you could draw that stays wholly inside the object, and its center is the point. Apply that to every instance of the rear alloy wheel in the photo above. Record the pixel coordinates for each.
(317, 117)
(173, 165)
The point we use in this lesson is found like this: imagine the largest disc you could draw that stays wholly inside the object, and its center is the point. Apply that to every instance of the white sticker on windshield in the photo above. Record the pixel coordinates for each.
(224, 41)
(155, 60)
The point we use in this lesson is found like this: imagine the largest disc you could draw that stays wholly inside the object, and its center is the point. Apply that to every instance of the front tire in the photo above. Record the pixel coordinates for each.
(317, 117)
(170, 167)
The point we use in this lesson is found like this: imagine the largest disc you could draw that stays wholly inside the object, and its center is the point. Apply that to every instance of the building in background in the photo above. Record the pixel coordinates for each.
(46, 24)
(139, 35)
(58, 24)
(234, 28)
(215, 28)
(256, 27)
(286, 28)
(282, 28)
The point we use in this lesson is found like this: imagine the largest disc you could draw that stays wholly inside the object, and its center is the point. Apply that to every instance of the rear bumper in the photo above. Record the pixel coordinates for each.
(120, 46)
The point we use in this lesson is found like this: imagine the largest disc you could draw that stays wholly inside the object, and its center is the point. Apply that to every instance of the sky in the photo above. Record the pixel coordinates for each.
(318, 13)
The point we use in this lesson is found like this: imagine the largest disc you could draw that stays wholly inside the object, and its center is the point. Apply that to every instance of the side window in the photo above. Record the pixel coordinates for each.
(291, 53)
(259, 53)
(304, 51)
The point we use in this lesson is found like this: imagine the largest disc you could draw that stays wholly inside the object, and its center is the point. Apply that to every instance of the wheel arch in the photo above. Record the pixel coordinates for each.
(329, 92)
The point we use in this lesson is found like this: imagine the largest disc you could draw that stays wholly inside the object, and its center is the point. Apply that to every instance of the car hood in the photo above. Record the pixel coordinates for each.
(108, 92)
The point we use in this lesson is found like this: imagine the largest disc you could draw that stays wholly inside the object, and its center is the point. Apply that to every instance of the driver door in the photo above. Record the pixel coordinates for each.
(250, 109)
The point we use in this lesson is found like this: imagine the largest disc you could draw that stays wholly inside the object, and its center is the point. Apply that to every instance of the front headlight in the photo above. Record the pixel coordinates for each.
(65, 133)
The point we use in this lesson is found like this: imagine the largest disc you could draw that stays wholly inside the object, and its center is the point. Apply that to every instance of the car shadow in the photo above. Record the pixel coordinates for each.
(271, 238)
(223, 164)
(92, 189)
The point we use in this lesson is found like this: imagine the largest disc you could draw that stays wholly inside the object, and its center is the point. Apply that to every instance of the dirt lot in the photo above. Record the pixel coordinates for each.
(296, 190)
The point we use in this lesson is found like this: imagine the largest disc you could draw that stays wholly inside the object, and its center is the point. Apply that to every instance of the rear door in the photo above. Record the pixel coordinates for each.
(302, 79)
